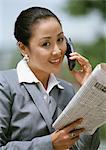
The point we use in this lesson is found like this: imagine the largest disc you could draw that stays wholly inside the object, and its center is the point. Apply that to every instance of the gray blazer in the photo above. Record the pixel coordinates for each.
(26, 119)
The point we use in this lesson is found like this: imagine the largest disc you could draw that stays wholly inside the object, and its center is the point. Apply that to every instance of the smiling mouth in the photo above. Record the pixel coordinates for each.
(55, 61)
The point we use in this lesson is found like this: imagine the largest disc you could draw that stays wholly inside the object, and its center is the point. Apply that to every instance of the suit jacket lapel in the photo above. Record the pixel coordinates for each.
(52, 105)
(40, 103)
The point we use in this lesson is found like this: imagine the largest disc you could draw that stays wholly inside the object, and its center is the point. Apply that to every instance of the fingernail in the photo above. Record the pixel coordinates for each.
(70, 58)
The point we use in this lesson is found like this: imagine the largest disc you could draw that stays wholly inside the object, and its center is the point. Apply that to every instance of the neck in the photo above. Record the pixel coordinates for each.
(43, 77)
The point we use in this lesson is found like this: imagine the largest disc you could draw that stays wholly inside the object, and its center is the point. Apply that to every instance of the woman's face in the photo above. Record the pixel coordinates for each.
(46, 46)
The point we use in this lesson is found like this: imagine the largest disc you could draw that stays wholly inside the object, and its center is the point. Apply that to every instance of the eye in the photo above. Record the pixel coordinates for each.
(46, 44)
(60, 40)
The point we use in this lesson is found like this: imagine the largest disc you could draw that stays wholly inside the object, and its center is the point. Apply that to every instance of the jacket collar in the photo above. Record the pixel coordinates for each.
(28, 79)
(25, 75)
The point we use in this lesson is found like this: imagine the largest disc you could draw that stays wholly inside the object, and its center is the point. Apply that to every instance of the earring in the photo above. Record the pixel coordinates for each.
(26, 58)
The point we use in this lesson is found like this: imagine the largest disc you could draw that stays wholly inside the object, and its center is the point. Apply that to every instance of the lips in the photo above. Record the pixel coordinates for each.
(55, 61)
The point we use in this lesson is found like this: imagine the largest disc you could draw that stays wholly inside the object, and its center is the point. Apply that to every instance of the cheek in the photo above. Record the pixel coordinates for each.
(39, 57)
(64, 47)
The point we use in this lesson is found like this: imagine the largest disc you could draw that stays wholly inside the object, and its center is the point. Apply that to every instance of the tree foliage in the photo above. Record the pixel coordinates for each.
(82, 7)
(95, 51)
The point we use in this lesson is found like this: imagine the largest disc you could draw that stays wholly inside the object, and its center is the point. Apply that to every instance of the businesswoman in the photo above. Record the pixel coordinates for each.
(31, 97)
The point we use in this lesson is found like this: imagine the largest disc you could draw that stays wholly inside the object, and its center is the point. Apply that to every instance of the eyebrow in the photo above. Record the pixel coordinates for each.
(60, 33)
(48, 37)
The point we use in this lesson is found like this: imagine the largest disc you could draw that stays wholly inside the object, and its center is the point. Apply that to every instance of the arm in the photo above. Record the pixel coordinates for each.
(40, 143)
(6, 101)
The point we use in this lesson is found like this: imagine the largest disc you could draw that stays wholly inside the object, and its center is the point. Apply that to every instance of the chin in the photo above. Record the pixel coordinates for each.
(56, 70)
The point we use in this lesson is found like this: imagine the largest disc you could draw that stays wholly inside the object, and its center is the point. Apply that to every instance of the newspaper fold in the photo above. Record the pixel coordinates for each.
(88, 103)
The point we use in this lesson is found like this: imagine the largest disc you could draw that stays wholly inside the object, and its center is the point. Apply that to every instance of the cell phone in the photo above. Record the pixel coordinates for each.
(70, 49)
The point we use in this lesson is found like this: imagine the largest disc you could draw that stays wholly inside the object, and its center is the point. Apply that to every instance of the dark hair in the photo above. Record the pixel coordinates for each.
(25, 20)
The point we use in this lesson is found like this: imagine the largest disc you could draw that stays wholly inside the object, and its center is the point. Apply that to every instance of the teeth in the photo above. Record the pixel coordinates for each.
(55, 61)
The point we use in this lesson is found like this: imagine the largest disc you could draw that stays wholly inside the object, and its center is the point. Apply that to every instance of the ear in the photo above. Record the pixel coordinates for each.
(23, 48)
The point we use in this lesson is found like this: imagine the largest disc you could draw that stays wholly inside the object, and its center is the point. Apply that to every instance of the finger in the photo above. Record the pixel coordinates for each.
(77, 55)
(76, 133)
(75, 72)
(68, 142)
(71, 142)
(73, 125)
(74, 53)
(82, 60)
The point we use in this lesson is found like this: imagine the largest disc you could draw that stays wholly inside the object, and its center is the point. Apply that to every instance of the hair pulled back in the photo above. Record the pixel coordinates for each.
(25, 20)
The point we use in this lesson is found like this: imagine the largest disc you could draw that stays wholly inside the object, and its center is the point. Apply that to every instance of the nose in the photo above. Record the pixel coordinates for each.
(57, 50)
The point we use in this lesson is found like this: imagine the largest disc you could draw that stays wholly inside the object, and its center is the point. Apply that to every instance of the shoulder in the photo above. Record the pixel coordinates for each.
(67, 85)
(68, 91)
(8, 76)
(6, 80)
(7, 72)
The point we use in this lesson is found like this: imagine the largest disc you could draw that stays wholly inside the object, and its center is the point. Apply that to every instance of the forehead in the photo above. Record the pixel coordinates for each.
(45, 27)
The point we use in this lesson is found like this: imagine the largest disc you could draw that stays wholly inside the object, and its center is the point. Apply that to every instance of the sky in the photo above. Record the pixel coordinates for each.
(82, 29)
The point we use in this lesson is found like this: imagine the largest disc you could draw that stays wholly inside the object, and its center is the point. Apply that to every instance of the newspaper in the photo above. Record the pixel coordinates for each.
(88, 103)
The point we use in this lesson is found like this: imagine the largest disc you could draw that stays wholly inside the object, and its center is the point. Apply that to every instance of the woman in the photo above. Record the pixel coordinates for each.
(31, 97)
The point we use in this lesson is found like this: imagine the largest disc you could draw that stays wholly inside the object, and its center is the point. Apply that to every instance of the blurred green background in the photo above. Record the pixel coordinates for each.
(95, 51)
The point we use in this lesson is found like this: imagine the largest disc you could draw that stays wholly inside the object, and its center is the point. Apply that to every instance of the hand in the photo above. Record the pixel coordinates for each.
(85, 67)
(67, 136)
